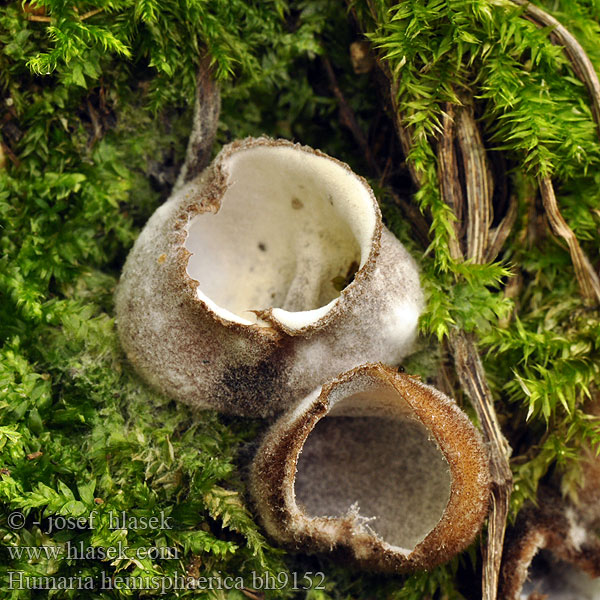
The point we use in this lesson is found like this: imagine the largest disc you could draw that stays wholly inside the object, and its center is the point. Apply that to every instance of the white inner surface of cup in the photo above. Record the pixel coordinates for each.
(291, 230)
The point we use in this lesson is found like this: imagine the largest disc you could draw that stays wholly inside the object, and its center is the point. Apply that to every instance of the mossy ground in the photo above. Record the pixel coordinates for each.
(95, 109)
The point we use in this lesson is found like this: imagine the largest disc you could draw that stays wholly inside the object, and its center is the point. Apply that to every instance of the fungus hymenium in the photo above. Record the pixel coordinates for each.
(376, 466)
(268, 274)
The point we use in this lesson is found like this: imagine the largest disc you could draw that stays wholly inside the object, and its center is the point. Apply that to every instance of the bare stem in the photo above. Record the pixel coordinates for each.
(479, 184)
(499, 234)
(587, 278)
(481, 244)
(206, 118)
(39, 18)
(451, 189)
(90, 13)
(472, 379)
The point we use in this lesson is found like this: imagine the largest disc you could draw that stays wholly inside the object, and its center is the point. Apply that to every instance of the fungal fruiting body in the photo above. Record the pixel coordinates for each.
(553, 549)
(376, 466)
(265, 276)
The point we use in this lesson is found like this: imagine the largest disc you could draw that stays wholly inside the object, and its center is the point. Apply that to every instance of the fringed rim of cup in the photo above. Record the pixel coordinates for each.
(374, 433)
(301, 199)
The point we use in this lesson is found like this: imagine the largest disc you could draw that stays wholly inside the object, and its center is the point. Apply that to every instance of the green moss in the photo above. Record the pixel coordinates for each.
(95, 117)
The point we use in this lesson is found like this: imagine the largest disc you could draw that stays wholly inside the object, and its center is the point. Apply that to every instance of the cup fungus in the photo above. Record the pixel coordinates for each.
(553, 549)
(263, 277)
(376, 466)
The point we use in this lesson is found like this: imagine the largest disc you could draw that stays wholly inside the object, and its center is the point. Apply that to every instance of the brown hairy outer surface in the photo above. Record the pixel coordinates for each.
(192, 354)
(273, 476)
(554, 524)
(567, 529)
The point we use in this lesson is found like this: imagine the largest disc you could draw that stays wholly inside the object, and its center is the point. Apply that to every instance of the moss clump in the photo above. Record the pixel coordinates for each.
(95, 111)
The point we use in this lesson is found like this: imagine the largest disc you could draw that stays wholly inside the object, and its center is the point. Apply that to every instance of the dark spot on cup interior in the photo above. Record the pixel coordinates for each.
(262, 247)
(297, 204)
(340, 282)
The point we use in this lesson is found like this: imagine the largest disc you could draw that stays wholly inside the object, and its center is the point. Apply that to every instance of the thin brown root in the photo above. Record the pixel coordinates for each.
(499, 234)
(206, 118)
(478, 183)
(451, 189)
(472, 379)
(587, 278)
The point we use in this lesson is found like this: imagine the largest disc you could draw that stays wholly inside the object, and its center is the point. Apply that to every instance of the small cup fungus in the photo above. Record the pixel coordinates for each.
(553, 549)
(376, 466)
(263, 277)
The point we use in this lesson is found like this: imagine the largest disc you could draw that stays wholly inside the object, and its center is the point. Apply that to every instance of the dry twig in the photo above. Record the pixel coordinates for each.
(39, 18)
(481, 244)
(587, 278)
(479, 184)
(451, 189)
(471, 375)
(45, 19)
(90, 13)
(206, 118)
(499, 234)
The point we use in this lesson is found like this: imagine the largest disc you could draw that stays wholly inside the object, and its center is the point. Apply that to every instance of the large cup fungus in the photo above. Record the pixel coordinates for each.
(375, 466)
(268, 274)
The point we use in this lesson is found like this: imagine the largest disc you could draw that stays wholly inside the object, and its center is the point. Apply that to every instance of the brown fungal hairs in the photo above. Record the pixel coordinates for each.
(377, 467)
